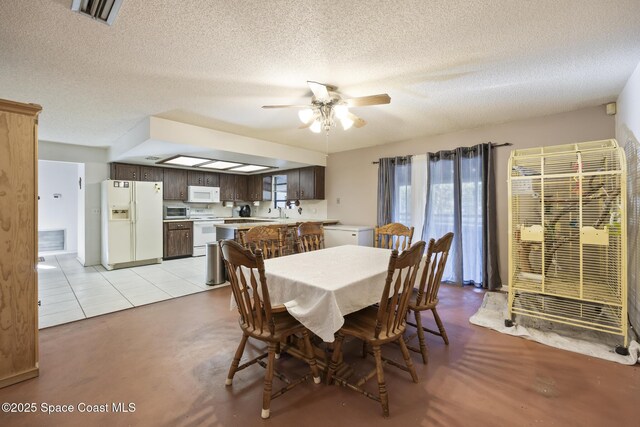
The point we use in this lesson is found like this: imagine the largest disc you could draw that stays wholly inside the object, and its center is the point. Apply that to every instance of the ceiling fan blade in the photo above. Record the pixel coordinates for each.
(363, 101)
(286, 106)
(357, 121)
(319, 91)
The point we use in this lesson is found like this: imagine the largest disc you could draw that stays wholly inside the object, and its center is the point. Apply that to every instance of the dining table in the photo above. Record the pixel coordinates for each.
(320, 287)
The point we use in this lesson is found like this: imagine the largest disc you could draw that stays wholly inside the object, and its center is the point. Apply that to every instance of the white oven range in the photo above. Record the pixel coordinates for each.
(204, 229)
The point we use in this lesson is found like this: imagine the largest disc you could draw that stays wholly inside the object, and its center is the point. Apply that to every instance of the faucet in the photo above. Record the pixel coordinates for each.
(281, 213)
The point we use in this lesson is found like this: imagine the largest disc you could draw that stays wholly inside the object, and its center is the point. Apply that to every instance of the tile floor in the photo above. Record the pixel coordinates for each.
(69, 291)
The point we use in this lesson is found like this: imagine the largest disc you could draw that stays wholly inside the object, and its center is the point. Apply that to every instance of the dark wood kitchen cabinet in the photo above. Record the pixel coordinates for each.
(241, 188)
(233, 188)
(178, 239)
(267, 190)
(305, 183)
(211, 179)
(312, 183)
(254, 188)
(151, 173)
(175, 184)
(227, 187)
(125, 172)
(293, 184)
(195, 178)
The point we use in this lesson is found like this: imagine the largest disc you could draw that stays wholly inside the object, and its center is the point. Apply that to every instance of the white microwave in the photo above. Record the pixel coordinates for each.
(200, 194)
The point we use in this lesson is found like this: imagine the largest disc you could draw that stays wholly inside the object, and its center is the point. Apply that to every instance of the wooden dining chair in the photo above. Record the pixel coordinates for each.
(259, 321)
(425, 297)
(310, 236)
(383, 324)
(270, 239)
(393, 236)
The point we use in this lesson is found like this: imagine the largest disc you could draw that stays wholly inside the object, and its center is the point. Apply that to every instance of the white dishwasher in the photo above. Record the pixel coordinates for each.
(338, 235)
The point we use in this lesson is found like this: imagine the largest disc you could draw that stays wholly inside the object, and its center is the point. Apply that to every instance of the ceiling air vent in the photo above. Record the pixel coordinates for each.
(104, 11)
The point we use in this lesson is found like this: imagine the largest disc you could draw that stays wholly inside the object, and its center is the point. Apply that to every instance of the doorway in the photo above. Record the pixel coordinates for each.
(59, 207)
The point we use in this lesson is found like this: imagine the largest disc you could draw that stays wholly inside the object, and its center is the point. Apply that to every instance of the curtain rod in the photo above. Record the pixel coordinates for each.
(506, 144)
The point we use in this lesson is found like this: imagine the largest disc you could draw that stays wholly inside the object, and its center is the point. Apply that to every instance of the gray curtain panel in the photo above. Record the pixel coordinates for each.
(490, 272)
(461, 183)
(386, 178)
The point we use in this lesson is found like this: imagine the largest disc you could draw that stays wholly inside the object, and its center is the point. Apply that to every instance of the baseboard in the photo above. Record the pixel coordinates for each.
(22, 376)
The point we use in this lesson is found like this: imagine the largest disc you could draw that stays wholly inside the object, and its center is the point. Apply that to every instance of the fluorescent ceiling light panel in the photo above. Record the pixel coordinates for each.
(220, 165)
(249, 168)
(186, 161)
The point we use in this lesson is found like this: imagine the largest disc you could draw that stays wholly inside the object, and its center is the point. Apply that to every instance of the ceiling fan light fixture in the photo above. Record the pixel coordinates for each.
(346, 122)
(341, 111)
(316, 126)
(306, 115)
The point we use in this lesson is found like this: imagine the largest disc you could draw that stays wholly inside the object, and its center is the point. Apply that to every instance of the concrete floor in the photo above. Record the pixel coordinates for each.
(171, 358)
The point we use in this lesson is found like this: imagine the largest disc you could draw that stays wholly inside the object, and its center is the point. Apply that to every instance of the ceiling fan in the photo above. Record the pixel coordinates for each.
(327, 106)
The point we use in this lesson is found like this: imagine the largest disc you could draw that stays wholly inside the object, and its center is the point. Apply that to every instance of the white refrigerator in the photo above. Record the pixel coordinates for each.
(131, 223)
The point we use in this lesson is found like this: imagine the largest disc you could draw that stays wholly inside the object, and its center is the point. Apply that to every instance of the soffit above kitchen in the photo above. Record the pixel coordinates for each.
(155, 139)
(447, 65)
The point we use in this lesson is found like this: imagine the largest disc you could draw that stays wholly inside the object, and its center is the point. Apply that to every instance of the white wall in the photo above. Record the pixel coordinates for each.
(62, 212)
(96, 170)
(628, 104)
(628, 131)
(352, 178)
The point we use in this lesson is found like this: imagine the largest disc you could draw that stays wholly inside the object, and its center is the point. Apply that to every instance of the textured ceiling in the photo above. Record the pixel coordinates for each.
(447, 65)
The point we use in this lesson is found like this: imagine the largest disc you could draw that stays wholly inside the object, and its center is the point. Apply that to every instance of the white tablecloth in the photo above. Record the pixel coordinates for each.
(319, 288)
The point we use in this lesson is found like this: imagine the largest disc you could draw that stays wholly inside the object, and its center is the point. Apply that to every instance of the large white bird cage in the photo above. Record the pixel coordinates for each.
(567, 235)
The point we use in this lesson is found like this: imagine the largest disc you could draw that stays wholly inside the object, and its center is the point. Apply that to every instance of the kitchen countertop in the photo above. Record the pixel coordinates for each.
(290, 222)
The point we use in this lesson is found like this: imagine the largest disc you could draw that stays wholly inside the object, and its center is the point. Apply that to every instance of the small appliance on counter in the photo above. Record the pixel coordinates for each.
(176, 212)
(245, 211)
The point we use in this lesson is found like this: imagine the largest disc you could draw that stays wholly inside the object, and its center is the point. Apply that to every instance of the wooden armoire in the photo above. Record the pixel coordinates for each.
(18, 241)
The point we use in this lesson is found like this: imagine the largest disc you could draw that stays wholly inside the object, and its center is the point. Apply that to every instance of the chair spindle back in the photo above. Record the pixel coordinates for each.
(310, 236)
(393, 236)
(435, 263)
(269, 239)
(249, 286)
(401, 277)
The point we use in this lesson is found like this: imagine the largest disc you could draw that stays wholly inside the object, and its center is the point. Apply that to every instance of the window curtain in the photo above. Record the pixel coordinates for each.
(386, 179)
(460, 198)
(401, 200)
(418, 193)
(394, 190)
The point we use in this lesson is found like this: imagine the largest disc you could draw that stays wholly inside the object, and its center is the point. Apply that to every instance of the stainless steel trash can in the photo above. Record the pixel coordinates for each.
(215, 265)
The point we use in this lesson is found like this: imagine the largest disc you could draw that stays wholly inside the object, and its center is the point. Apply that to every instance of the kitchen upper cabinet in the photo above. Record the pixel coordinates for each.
(211, 179)
(293, 184)
(125, 172)
(254, 188)
(151, 173)
(175, 184)
(233, 188)
(267, 189)
(195, 178)
(227, 187)
(305, 183)
(241, 188)
(178, 239)
(311, 183)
